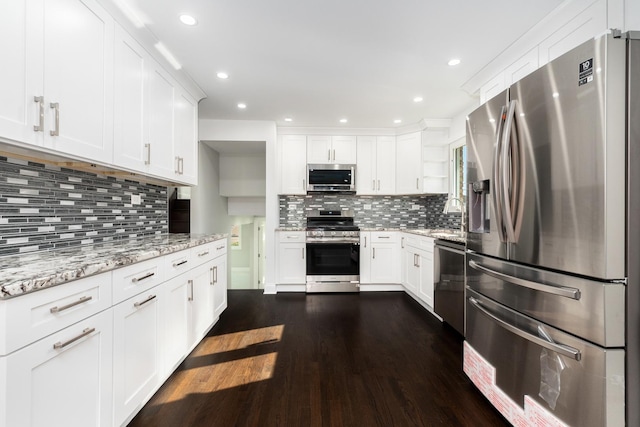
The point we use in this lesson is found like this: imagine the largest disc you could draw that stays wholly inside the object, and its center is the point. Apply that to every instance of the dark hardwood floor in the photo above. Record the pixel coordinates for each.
(369, 359)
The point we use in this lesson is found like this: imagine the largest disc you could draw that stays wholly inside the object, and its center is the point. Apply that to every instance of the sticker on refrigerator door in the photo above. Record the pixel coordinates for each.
(585, 72)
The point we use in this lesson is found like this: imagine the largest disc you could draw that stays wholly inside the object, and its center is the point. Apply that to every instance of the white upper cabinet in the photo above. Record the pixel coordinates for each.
(131, 121)
(57, 76)
(20, 78)
(331, 149)
(78, 78)
(293, 164)
(409, 164)
(185, 141)
(161, 95)
(375, 171)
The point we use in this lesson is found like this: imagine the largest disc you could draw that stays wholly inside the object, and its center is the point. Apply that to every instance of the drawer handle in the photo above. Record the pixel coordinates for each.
(178, 264)
(146, 276)
(220, 248)
(384, 237)
(60, 344)
(203, 253)
(57, 309)
(141, 303)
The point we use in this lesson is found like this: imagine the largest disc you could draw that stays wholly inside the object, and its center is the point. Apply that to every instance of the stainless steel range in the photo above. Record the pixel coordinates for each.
(333, 252)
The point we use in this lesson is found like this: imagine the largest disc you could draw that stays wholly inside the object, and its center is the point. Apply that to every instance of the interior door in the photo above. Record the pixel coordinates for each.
(482, 134)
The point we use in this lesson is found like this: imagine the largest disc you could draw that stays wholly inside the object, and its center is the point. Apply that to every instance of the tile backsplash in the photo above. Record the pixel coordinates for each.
(372, 211)
(46, 207)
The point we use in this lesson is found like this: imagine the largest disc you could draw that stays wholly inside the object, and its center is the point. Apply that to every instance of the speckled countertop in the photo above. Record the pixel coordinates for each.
(21, 274)
(439, 233)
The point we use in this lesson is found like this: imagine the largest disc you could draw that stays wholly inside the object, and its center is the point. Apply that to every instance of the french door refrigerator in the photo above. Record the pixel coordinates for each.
(553, 259)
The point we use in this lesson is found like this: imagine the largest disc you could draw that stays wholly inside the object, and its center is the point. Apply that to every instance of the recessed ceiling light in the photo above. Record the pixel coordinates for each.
(242, 106)
(222, 75)
(288, 119)
(417, 99)
(454, 61)
(343, 120)
(188, 20)
(397, 121)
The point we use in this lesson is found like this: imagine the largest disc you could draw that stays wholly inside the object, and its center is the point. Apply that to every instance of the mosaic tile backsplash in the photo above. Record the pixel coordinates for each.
(372, 211)
(46, 207)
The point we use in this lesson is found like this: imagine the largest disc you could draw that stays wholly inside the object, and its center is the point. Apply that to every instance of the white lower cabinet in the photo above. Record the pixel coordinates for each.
(379, 257)
(136, 352)
(64, 379)
(417, 267)
(175, 321)
(292, 265)
(219, 286)
(201, 301)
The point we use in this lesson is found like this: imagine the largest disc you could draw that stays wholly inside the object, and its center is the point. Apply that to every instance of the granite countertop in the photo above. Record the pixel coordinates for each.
(437, 233)
(21, 274)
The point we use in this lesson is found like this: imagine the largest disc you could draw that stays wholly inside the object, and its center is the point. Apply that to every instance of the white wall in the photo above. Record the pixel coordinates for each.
(252, 130)
(242, 176)
(208, 208)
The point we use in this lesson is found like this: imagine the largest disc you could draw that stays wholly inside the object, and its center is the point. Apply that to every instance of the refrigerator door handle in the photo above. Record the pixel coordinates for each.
(509, 187)
(497, 182)
(561, 291)
(562, 349)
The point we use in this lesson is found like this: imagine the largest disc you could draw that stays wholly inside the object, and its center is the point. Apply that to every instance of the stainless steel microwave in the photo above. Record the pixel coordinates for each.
(331, 178)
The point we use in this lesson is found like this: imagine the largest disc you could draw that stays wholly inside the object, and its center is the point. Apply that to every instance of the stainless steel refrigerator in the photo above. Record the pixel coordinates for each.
(553, 237)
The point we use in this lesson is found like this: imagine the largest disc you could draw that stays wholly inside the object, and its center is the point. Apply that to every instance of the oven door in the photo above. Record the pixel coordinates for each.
(333, 267)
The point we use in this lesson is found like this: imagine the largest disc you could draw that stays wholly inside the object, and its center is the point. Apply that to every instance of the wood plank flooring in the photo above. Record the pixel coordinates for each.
(369, 359)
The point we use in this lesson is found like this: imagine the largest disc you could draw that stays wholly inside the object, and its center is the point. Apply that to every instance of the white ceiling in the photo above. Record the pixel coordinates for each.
(321, 60)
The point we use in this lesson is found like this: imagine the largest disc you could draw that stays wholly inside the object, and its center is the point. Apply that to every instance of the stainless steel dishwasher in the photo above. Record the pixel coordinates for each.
(449, 283)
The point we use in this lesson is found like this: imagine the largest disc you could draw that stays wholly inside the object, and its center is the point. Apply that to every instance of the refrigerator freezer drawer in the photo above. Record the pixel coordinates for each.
(587, 308)
(580, 383)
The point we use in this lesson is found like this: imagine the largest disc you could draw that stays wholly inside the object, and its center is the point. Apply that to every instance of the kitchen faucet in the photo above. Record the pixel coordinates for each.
(447, 206)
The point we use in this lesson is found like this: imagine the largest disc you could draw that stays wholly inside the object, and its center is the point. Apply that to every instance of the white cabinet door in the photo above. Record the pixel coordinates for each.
(186, 144)
(293, 171)
(385, 263)
(292, 267)
(175, 315)
(21, 71)
(201, 301)
(63, 379)
(78, 78)
(385, 165)
(160, 102)
(136, 352)
(425, 265)
(365, 257)
(219, 285)
(366, 177)
(319, 149)
(412, 272)
(409, 164)
(343, 150)
(131, 125)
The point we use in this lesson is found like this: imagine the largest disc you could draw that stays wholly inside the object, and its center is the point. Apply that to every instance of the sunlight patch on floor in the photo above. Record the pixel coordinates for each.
(239, 340)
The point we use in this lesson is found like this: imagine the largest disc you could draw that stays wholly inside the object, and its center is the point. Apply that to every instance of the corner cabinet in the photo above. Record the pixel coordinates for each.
(376, 165)
(409, 164)
(417, 267)
(61, 80)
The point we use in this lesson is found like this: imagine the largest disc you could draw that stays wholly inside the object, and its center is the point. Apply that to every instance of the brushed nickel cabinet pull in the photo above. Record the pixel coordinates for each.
(141, 303)
(148, 148)
(139, 279)
(56, 129)
(203, 253)
(329, 154)
(181, 165)
(178, 264)
(61, 344)
(215, 274)
(374, 253)
(57, 309)
(40, 126)
(212, 281)
(302, 253)
(191, 287)
(417, 183)
(177, 168)
(219, 248)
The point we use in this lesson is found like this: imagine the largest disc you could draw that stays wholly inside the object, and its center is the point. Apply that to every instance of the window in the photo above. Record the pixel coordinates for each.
(458, 186)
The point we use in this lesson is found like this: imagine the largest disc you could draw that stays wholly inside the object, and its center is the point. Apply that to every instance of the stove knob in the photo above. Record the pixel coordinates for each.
(333, 233)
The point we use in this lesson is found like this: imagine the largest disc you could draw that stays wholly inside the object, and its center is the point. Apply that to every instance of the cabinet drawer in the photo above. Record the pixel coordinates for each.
(207, 252)
(291, 236)
(418, 242)
(31, 317)
(133, 279)
(384, 237)
(177, 263)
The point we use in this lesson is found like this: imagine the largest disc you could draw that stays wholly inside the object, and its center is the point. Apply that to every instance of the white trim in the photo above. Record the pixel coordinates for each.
(452, 147)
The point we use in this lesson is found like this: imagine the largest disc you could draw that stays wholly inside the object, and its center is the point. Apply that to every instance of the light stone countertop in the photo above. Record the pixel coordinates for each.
(436, 233)
(24, 273)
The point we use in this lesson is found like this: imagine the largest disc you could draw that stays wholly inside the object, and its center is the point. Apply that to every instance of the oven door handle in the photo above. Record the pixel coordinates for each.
(562, 349)
(331, 240)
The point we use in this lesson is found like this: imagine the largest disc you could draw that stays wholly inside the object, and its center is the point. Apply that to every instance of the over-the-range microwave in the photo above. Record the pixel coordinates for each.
(331, 178)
